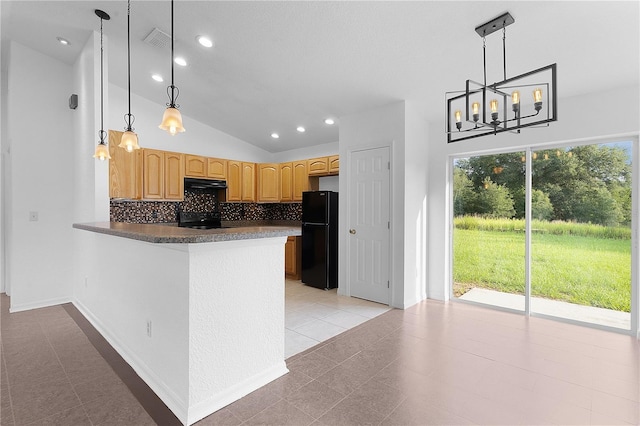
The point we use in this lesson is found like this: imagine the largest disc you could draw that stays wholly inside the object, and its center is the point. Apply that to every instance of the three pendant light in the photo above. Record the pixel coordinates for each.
(171, 120)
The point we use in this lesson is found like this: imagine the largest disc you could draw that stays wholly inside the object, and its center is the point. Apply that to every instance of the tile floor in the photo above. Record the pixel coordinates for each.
(435, 363)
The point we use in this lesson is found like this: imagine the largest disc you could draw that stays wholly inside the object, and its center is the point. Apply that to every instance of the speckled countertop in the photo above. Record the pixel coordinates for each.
(171, 233)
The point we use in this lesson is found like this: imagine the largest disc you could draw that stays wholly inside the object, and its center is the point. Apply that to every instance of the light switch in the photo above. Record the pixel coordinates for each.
(33, 216)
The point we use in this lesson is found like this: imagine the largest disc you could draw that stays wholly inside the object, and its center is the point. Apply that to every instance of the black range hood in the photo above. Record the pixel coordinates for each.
(204, 184)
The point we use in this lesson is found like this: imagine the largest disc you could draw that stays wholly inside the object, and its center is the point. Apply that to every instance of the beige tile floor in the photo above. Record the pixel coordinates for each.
(435, 363)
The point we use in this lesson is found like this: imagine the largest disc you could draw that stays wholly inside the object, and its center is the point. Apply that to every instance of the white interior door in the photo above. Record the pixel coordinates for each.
(369, 224)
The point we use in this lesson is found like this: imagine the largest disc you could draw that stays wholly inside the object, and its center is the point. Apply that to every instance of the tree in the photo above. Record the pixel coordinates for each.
(494, 201)
(463, 195)
(541, 207)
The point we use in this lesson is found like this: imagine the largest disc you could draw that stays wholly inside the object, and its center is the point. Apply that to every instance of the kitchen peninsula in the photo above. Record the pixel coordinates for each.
(198, 314)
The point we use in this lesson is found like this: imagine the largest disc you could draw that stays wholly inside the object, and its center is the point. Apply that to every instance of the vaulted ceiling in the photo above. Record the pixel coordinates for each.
(282, 64)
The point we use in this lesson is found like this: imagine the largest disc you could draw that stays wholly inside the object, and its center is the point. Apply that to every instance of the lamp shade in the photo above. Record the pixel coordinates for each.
(172, 121)
(129, 141)
(102, 152)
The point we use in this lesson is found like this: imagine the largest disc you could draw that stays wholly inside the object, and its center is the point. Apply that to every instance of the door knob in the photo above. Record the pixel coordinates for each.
(352, 231)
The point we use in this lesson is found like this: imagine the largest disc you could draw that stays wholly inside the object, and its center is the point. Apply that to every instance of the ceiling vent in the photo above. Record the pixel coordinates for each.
(158, 38)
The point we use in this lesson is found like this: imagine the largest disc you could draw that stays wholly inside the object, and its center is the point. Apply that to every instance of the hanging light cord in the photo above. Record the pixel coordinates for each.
(129, 118)
(484, 59)
(173, 95)
(504, 50)
(101, 134)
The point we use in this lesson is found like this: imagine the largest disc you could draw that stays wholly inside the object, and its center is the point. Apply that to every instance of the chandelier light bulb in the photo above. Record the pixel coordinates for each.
(458, 115)
(493, 104)
(515, 101)
(102, 152)
(537, 99)
(475, 108)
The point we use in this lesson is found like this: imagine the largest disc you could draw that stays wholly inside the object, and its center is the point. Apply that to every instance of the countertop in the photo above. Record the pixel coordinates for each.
(171, 233)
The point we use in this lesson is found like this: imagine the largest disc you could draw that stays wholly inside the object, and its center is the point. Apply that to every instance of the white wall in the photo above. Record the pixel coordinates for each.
(399, 127)
(198, 138)
(322, 150)
(605, 115)
(40, 156)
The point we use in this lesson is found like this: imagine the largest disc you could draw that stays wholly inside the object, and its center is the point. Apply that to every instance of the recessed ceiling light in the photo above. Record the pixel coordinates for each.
(301, 129)
(157, 77)
(63, 41)
(275, 135)
(204, 41)
(180, 61)
(329, 121)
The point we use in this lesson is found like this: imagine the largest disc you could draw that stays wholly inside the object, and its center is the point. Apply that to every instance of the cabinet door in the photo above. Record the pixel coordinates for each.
(300, 179)
(268, 182)
(234, 181)
(173, 176)
(286, 182)
(153, 182)
(216, 168)
(248, 181)
(293, 258)
(318, 166)
(195, 166)
(334, 164)
(125, 170)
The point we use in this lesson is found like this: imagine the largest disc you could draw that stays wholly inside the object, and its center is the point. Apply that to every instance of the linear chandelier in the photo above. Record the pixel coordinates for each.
(102, 150)
(483, 109)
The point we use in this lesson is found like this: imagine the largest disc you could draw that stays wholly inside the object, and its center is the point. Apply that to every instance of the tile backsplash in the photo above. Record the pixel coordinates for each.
(199, 201)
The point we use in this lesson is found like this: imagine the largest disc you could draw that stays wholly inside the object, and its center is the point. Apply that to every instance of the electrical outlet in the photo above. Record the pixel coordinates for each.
(33, 216)
(148, 328)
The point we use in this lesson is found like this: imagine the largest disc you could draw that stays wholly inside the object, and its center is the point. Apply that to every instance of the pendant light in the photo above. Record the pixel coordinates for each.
(172, 119)
(102, 150)
(129, 139)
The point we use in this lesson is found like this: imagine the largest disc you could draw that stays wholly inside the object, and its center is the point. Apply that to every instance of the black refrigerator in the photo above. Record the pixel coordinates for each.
(320, 239)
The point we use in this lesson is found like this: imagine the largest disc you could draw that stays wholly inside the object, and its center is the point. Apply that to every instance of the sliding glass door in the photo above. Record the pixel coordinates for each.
(546, 232)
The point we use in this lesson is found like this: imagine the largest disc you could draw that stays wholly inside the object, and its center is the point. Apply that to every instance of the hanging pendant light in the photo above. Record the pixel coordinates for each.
(129, 139)
(172, 119)
(102, 150)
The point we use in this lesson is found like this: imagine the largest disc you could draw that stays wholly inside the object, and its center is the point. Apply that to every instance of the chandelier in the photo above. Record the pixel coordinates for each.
(172, 119)
(483, 109)
(102, 150)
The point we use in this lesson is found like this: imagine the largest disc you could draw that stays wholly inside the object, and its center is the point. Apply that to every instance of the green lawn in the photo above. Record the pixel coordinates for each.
(582, 270)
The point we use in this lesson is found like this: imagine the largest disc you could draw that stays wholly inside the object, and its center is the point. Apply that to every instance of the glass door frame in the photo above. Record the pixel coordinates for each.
(635, 211)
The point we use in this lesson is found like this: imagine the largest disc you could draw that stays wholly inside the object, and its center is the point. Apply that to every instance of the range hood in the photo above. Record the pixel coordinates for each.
(204, 184)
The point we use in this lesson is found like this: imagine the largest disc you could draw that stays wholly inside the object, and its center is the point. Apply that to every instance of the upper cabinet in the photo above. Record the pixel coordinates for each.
(195, 166)
(241, 178)
(125, 170)
(318, 166)
(216, 168)
(286, 182)
(268, 182)
(300, 179)
(173, 176)
(323, 166)
(248, 181)
(163, 175)
(334, 164)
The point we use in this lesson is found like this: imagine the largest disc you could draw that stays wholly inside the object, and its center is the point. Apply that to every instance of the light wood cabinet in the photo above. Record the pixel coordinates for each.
(241, 180)
(234, 180)
(318, 166)
(153, 176)
(195, 166)
(216, 168)
(286, 182)
(125, 170)
(300, 179)
(293, 258)
(334, 164)
(268, 182)
(163, 175)
(248, 181)
(173, 176)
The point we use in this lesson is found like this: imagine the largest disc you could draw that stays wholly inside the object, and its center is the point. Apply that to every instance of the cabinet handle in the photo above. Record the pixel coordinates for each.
(352, 231)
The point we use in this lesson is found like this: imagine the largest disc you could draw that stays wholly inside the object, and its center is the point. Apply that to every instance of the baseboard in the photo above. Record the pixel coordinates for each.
(38, 305)
(171, 400)
(202, 409)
